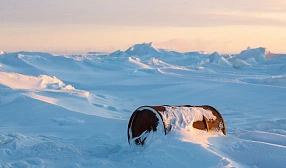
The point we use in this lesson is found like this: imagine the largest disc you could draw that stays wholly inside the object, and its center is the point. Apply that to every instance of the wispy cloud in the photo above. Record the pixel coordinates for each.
(77, 25)
(179, 13)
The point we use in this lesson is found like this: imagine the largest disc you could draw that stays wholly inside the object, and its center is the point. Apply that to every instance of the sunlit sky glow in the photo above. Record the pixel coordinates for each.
(60, 26)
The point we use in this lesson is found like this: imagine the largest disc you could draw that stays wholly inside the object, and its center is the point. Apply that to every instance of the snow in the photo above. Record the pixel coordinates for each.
(181, 120)
(218, 59)
(73, 111)
(259, 54)
(19, 81)
(238, 63)
(142, 49)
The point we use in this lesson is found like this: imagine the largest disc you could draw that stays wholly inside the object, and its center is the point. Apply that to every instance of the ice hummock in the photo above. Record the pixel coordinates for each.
(142, 49)
(258, 54)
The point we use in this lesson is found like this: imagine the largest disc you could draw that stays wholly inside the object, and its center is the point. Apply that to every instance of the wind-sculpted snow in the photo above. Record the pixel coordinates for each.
(216, 58)
(12, 62)
(238, 64)
(73, 110)
(19, 81)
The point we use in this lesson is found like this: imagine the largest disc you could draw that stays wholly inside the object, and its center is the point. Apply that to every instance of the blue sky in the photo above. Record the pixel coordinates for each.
(106, 25)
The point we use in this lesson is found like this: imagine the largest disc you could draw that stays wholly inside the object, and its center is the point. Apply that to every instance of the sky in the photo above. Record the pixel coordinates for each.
(79, 26)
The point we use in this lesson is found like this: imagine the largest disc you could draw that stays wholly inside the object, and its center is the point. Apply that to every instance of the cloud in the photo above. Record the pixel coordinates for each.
(179, 13)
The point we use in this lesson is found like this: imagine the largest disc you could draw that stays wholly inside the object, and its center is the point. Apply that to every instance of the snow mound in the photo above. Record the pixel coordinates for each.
(216, 58)
(250, 60)
(39, 83)
(142, 49)
(138, 62)
(12, 62)
(238, 63)
(159, 63)
(19, 81)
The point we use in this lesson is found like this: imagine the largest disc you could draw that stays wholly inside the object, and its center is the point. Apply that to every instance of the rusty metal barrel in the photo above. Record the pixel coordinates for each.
(147, 119)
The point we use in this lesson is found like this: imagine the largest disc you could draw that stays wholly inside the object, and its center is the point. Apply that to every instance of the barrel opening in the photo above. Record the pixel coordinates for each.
(144, 121)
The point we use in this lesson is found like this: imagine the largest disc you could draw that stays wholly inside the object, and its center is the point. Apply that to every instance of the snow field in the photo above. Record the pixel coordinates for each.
(73, 111)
